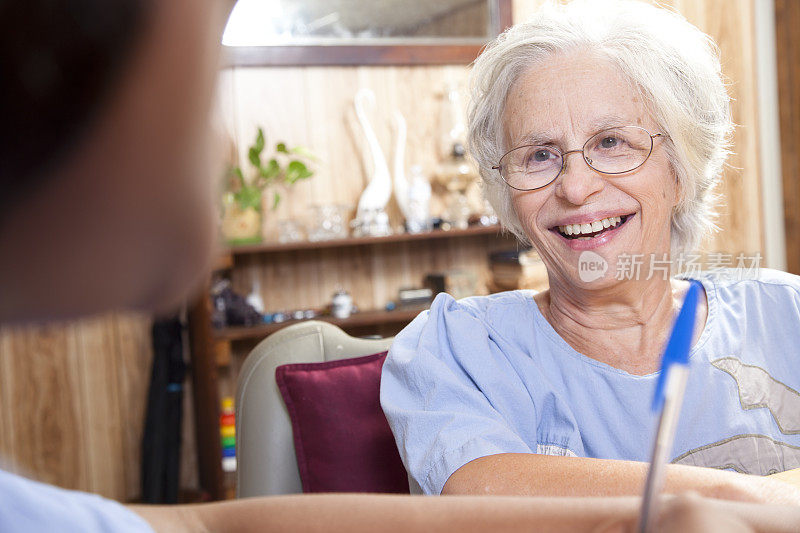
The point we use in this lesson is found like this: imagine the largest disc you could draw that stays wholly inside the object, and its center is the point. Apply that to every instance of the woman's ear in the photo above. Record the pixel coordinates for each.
(680, 191)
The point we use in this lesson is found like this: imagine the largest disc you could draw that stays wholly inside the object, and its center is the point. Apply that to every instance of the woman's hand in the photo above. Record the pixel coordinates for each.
(551, 476)
(692, 513)
(757, 489)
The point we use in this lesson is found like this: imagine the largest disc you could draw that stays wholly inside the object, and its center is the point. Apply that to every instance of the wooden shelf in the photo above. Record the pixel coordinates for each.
(272, 247)
(364, 318)
(213, 350)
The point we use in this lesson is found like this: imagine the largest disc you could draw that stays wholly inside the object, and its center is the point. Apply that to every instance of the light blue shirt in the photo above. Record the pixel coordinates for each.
(488, 375)
(31, 507)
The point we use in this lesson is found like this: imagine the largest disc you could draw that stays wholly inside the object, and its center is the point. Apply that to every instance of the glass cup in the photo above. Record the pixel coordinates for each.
(328, 222)
(290, 231)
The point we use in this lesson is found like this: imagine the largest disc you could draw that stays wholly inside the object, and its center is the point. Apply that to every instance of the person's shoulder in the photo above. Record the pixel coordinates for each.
(774, 284)
(768, 276)
(757, 278)
(482, 306)
(465, 317)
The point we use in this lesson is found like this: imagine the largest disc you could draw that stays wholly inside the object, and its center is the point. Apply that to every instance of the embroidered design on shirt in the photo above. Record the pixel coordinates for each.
(747, 454)
(554, 449)
(758, 389)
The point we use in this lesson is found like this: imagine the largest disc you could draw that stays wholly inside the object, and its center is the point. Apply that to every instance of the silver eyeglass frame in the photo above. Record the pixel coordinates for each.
(582, 151)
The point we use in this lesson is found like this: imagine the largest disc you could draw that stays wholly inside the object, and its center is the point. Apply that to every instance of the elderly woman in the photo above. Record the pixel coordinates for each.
(600, 130)
(156, 93)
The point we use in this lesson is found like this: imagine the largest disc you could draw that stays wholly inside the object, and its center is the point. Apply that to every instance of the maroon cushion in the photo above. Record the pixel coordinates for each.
(342, 440)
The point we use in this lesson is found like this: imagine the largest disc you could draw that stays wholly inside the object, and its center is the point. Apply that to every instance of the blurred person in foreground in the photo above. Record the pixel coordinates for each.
(601, 130)
(107, 203)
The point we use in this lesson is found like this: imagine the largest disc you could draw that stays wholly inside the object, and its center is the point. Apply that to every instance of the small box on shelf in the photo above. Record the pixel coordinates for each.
(517, 269)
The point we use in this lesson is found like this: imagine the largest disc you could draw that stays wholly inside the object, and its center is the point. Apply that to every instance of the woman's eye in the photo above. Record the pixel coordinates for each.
(535, 159)
(609, 142)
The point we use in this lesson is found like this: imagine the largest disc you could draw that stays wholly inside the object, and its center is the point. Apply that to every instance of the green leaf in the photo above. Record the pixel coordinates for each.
(259, 144)
(254, 153)
(295, 171)
(254, 156)
(276, 200)
(248, 197)
(302, 151)
(281, 147)
(237, 174)
(271, 170)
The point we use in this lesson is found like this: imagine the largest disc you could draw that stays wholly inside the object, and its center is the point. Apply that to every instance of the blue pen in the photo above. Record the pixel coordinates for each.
(667, 399)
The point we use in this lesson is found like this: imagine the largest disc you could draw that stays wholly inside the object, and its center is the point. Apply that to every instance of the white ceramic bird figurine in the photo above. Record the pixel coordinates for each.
(379, 189)
(400, 181)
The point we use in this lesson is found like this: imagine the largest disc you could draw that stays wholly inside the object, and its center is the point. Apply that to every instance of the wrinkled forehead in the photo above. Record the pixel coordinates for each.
(564, 99)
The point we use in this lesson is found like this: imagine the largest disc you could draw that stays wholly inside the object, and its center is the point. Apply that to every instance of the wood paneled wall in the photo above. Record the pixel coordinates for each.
(72, 397)
(72, 402)
(313, 107)
(787, 24)
(731, 25)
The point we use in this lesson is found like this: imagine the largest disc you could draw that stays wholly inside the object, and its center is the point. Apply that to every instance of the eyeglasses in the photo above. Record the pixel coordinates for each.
(612, 151)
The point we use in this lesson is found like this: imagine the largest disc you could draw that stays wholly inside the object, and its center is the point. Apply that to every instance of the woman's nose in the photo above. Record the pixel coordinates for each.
(578, 181)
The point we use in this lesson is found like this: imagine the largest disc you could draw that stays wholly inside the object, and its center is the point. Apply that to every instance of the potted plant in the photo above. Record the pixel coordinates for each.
(242, 199)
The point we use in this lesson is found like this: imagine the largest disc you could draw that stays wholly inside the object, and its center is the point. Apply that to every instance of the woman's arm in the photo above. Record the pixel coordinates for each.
(368, 513)
(544, 475)
(351, 513)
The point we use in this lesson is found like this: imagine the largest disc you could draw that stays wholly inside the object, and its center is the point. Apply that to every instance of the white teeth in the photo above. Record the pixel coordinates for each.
(597, 225)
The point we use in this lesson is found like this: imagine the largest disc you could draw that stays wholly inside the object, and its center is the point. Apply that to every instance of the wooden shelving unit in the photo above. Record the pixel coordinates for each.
(273, 247)
(207, 343)
(363, 318)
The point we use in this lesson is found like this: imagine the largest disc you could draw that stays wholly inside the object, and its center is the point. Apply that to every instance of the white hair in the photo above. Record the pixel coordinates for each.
(672, 63)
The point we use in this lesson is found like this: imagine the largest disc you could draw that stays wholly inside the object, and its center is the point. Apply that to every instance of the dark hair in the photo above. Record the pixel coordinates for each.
(58, 61)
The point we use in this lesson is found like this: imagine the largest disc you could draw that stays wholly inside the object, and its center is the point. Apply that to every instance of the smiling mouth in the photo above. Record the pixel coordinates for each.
(591, 230)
